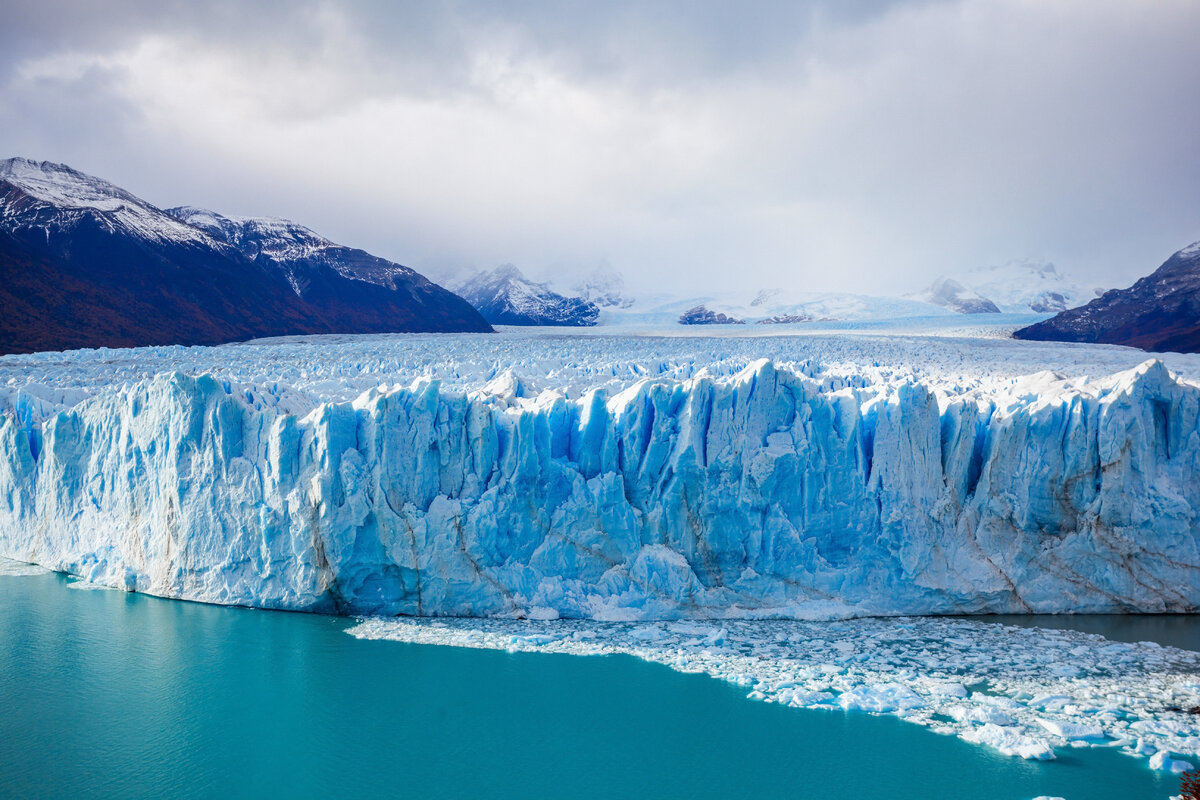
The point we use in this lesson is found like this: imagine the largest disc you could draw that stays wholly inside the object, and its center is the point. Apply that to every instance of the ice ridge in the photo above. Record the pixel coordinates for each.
(765, 494)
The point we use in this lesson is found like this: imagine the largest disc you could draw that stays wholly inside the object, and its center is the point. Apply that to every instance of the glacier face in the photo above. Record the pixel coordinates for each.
(785, 489)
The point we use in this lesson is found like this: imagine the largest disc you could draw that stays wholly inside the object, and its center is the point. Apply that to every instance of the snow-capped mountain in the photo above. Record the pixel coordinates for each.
(1160, 312)
(295, 248)
(767, 306)
(1015, 287)
(702, 315)
(504, 296)
(951, 294)
(766, 296)
(1019, 286)
(605, 287)
(47, 198)
(87, 264)
(332, 275)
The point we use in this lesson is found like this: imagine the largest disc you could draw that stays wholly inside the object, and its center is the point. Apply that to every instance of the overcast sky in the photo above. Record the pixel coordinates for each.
(866, 146)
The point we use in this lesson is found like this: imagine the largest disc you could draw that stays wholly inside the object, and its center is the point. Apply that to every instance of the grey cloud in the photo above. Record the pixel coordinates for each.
(652, 41)
(864, 144)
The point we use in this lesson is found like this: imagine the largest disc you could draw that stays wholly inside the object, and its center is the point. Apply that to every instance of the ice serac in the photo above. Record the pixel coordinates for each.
(766, 494)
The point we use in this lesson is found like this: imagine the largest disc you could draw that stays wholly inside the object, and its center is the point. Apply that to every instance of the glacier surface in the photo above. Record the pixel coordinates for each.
(842, 474)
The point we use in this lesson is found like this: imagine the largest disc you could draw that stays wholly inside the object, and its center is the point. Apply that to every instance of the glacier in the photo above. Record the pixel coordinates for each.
(613, 478)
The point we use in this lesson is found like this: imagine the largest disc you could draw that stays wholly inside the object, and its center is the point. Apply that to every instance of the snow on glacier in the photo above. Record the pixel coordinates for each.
(1023, 691)
(295, 374)
(612, 477)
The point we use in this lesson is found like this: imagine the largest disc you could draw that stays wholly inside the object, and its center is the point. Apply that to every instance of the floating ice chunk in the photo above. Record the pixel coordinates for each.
(647, 633)
(980, 715)
(88, 586)
(1163, 761)
(1070, 730)
(1011, 741)
(997, 701)
(1160, 727)
(802, 699)
(1064, 670)
(534, 639)
(1049, 702)
(881, 698)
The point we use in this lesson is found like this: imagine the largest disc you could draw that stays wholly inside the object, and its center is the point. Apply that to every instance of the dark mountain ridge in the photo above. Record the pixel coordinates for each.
(1159, 313)
(85, 263)
(347, 284)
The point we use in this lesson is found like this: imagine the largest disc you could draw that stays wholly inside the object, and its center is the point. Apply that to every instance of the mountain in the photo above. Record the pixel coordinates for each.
(605, 287)
(951, 294)
(372, 294)
(768, 306)
(784, 319)
(506, 297)
(701, 315)
(85, 263)
(1015, 287)
(1160, 312)
(1022, 286)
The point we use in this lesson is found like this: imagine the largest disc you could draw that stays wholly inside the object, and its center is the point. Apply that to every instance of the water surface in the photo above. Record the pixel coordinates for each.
(1174, 630)
(107, 694)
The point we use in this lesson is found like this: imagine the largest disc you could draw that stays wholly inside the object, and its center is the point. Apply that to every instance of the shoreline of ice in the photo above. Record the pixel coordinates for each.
(11, 568)
(1025, 692)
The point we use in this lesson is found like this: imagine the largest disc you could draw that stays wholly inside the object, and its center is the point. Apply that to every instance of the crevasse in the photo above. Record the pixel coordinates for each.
(766, 494)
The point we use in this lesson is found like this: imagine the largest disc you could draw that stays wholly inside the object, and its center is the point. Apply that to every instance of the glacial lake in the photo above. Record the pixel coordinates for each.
(108, 694)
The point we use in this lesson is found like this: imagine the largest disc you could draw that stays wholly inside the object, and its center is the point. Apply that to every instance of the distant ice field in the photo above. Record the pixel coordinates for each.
(295, 374)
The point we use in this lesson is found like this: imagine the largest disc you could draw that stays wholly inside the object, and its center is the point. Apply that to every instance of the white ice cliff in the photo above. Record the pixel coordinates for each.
(786, 489)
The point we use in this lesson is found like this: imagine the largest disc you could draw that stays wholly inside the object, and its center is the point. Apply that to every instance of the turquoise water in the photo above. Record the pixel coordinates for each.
(107, 694)
(1174, 630)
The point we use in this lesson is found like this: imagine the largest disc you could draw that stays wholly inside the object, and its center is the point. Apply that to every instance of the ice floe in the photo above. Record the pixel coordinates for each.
(987, 683)
(10, 568)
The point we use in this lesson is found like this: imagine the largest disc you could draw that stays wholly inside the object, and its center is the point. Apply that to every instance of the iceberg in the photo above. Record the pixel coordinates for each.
(1162, 761)
(712, 486)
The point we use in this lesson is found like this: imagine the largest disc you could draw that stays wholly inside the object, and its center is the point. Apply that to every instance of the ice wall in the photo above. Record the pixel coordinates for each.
(768, 494)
